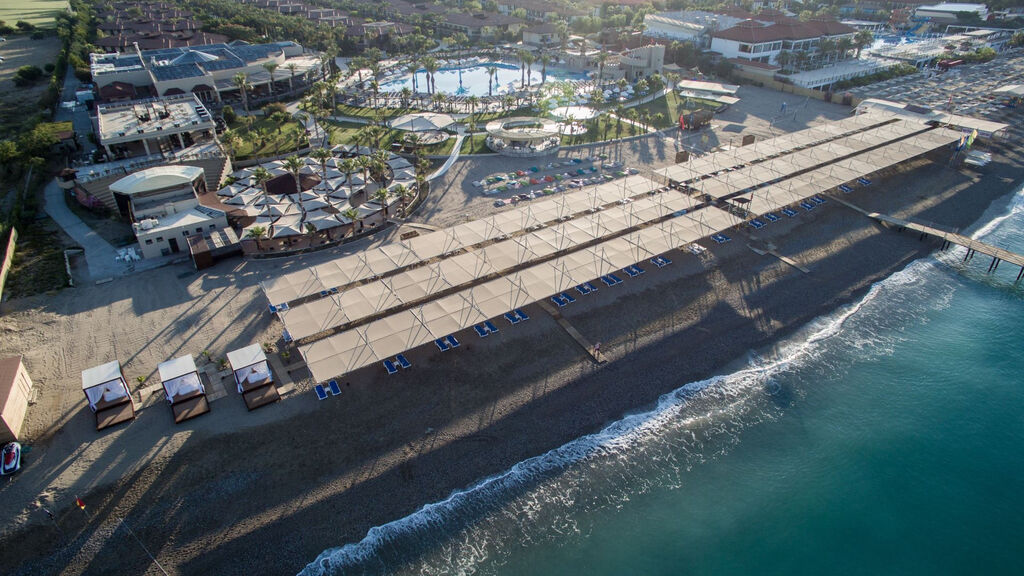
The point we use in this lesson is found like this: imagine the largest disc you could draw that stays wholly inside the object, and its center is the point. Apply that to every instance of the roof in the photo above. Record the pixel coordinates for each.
(246, 356)
(156, 178)
(99, 375)
(481, 20)
(171, 369)
(953, 7)
(753, 64)
(754, 32)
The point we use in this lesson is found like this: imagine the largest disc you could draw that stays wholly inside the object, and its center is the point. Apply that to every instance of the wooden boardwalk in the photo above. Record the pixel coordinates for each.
(949, 237)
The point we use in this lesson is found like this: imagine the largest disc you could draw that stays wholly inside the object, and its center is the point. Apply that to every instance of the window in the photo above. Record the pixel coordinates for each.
(199, 230)
(213, 226)
(184, 232)
(159, 238)
(745, 48)
(149, 241)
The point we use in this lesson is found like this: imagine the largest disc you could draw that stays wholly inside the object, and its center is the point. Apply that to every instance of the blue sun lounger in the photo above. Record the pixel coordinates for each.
(481, 331)
(583, 289)
(283, 306)
(321, 394)
(807, 205)
(390, 367)
(557, 299)
(629, 270)
(845, 189)
(286, 336)
(568, 298)
(789, 212)
(864, 181)
(441, 344)
(522, 315)
(607, 281)
(335, 389)
(273, 309)
(590, 287)
(491, 326)
(771, 217)
(615, 279)
(757, 224)
(512, 318)
(818, 199)
(452, 341)
(403, 362)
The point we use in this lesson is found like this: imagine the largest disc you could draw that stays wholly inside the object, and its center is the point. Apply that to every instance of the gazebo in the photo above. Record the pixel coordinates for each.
(108, 395)
(253, 378)
(183, 388)
(523, 136)
(422, 122)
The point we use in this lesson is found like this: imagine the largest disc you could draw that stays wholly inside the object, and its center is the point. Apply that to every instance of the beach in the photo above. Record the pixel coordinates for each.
(265, 492)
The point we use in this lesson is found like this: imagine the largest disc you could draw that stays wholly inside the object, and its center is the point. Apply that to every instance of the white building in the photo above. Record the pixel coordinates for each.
(163, 205)
(669, 27)
(946, 11)
(151, 126)
(754, 41)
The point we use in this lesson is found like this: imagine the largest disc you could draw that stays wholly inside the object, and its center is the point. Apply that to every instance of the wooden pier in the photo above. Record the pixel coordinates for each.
(948, 238)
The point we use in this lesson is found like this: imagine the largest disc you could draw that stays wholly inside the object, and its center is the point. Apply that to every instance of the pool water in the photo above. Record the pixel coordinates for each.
(473, 80)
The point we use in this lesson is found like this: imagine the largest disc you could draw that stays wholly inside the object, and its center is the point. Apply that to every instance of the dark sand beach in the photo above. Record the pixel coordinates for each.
(268, 499)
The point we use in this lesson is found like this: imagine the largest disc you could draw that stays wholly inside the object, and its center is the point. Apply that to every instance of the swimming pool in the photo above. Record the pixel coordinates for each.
(471, 80)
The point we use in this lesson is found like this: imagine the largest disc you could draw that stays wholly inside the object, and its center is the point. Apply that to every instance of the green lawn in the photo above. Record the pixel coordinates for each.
(265, 138)
(358, 112)
(37, 12)
(672, 105)
(349, 133)
(475, 144)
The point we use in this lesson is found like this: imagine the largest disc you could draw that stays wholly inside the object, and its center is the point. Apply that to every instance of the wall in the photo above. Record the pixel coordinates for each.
(5, 266)
(15, 389)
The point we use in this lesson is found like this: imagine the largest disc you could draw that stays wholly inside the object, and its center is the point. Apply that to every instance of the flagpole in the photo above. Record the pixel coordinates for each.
(125, 524)
(81, 505)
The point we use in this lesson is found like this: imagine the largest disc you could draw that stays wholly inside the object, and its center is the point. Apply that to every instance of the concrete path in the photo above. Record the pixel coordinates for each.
(451, 159)
(99, 254)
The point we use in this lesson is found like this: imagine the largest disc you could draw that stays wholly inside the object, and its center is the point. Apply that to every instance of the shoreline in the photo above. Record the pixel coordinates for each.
(505, 403)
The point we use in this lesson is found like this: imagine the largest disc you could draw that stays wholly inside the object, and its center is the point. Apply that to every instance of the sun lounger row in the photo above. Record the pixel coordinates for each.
(400, 361)
(611, 280)
(720, 238)
(864, 181)
(446, 343)
(660, 261)
(633, 271)
(516, 316)
(563, 299)
(586, 288)
(321, 391)
(486, 329)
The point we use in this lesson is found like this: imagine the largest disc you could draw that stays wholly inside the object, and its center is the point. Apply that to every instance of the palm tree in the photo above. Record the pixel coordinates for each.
(257, 233)
(544, 60)
(601, 59)
(406, 96)
(375, 87)
(241, 81)
(863, 39)
(291, 66)
(348, 166)
(271, 67)
(528, 60)
(353, 215)
(826, 46)
(261, 176)
(232, 140)
(294, 164)
(844, 45)
(430, 65)
(784, 58)
(492, 74)
(322, 155)
(364, 164)
(522, 67)
(402, 192)
(412, 69)
(381, 195)
(562, 29)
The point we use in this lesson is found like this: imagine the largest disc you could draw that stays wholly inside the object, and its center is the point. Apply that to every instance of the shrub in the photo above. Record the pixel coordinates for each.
(275, 107)
(49, 68)
(229, 114)
(24, 26)
(27, 75)
(38, 35)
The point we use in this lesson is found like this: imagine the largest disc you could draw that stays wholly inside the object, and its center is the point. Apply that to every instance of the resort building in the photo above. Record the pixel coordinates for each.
(163, 205)
(152, 126)
(640, 62)
(541, 35)
(946, 12)
(754, 41)
(207, 71)
(15, 391)
(542, 10)
(672, 27)
(481, 26)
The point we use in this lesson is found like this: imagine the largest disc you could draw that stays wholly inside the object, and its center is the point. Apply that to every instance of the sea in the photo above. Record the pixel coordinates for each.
(884, 438)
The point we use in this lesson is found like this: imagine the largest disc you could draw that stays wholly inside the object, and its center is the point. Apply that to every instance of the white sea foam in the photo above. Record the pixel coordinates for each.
(541, 498)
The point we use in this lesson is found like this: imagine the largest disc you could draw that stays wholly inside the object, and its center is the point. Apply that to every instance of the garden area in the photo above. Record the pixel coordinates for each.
(376, 136)
(267, 136)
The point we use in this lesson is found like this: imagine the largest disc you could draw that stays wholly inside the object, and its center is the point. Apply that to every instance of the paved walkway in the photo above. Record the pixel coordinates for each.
(99, 254)
(451, 159)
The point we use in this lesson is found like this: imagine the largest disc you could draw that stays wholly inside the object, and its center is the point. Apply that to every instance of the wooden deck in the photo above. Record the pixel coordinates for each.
(948, 237)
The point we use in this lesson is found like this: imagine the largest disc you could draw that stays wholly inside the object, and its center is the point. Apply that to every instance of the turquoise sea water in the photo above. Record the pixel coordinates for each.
(887, 438)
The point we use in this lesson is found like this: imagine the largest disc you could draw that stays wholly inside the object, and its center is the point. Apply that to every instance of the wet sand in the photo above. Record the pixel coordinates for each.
(301, 476)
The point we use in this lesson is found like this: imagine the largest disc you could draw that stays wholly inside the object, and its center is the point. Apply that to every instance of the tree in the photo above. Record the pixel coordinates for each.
(522, 67)
(601, 59)
(241, 81)
(381, 196)
(545, 59)
(863, 39)
(430, 65)
(322, 155)
(353, 215)
(232, 140)
(257, 233)
(291, 66)
(784, 58)
(404, 194)
(528, 60)
(472, 101)
(412, 69)
(843, 47)
(261, 176)
(492, 73)
(294, 164)
(271, 67)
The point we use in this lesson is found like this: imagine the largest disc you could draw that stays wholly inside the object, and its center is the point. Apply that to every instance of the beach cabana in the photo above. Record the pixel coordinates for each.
(183, 388)
(252, 375)
(107, 393)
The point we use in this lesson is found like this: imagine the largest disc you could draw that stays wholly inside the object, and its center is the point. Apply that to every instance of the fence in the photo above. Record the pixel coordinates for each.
(8, 257)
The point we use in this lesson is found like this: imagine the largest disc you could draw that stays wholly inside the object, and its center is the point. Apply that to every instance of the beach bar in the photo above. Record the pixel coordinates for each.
(185, 391)
(107, 393)
(253, 377)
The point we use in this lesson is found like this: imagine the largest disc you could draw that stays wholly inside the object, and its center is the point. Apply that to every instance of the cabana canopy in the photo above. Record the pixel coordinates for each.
(422, 122)
(108, 395)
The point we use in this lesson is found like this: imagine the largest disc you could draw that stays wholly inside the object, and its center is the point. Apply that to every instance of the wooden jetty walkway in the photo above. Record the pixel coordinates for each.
(948, 238)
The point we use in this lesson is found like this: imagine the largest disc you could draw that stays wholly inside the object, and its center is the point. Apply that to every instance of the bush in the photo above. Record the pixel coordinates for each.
(39, 35)
(49, 68)
(24, 26)
(229, 114)
(27, 75)
(275, 107)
